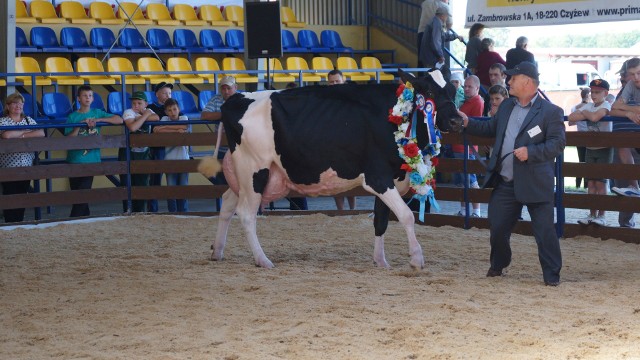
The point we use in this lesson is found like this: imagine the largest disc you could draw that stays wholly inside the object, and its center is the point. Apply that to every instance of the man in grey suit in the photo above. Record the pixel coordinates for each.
(529, 134)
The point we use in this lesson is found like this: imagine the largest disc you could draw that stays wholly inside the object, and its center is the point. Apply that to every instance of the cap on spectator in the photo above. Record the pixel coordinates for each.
(162, 85)
(228, 80)
(457, 76)
(139, 95)
(443, 9)
(623, 68)
(524, 68)
(599, 84)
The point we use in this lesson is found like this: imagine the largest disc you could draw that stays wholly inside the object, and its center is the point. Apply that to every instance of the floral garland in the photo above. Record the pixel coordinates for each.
(420, 164)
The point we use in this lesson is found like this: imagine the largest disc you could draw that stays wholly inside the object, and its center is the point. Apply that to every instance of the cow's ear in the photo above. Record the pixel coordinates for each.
(405, 76)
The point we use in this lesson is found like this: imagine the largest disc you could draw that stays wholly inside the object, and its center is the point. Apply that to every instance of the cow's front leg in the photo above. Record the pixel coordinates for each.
(394, 201)
(229, 203)
(380, 223)
(247, 210)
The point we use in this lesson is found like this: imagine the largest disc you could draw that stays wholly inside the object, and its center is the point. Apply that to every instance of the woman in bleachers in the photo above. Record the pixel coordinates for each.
(13, 116)
(487, 58)
(473, 46)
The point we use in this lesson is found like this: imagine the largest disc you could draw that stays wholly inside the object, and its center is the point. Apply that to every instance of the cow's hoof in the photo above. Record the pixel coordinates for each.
(417, 264)
(381, 263)
(264, 263)
(215, 256)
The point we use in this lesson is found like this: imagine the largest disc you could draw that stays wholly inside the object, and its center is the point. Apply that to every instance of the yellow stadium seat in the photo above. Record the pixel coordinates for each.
(207, 64)
(3, 82)
(323, 65)
(213, 15)
(370, 62)
(160, 14)
(298, 63)
(133, 11)
(234, 64)
(103, 13)
(75, 13)
(289, 18)
(22, 17)
(25, 64)
(91, 64)
(186, 15)
(152, 64)
(123, 65)
(234, 14)
(275, 64)
(56, 64)
(348, 63)
(45, 12)
(182, 64)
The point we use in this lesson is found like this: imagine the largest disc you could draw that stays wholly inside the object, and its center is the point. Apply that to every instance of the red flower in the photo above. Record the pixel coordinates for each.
(435, 161)
(400, 90)
(433, 183)
(395, 119)
(406, 167)
(411, 150)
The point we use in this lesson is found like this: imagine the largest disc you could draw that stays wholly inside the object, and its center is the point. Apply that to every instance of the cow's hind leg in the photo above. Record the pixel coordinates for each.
(247, 209)
(380, 223)
(229, 203)
(394, 201)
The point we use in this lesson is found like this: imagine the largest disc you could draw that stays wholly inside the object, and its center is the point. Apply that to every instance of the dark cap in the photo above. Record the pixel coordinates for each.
(599, 84)
(139, 95)
(524, 68)
(161, 85)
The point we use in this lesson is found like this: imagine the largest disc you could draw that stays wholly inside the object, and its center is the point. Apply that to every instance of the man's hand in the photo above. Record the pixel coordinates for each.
(633, 117)
(521, 153)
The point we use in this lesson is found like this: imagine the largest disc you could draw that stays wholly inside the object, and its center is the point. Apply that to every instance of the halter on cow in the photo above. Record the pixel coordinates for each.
(319, 141)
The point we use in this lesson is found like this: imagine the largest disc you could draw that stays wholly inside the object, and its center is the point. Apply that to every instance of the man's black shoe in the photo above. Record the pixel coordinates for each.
(494, 273)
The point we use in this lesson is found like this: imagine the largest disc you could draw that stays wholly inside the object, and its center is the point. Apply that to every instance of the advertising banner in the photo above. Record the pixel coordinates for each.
(509, 13)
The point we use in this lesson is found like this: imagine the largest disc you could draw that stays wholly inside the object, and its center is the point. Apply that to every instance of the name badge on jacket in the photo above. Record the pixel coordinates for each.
(534, 131)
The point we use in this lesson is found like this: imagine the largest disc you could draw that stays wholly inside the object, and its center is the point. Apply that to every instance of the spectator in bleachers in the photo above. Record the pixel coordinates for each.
(457, 81)
(473, 106)
(431, 50)
(428, 11)
(628, 105)
(497, 94)
(90, 117)
(13, 115)
(591, 114)
(496, 77)
(486, 58)
(172, 111)
(163, 93)
(335, 77)
(474, 45)
(519, 53)
(211, 111)
(585, 95)
(136, 120)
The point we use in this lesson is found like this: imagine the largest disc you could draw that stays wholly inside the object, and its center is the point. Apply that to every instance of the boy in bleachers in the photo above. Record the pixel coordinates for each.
(497, 94)
(457, 81)
(90, 117)
(592, 113)
(163, 93)
(135, 119)
(172, 111)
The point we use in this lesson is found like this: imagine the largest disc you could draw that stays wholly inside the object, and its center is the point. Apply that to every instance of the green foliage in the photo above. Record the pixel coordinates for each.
(602, 40)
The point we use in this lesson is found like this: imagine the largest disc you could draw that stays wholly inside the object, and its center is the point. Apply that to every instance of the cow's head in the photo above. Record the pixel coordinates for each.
(435, 86)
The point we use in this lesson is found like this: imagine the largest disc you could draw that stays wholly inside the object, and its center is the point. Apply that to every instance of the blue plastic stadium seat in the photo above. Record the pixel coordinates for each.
(187, 104)
(289, 43)
(186, 39)
(45, 39)
(332, 40)
(22, 44)
(56, 106)
(160, 40)
(28, 106)
(96, 104)
(204, 97)
(151, 97)
(211, 40)
(132, 40)
(114, 102)
(234, 39)
(309, 40)
(103, 38)
(75, 40)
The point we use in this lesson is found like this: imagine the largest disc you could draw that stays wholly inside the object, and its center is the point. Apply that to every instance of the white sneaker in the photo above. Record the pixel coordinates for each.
(586, 221)
(628, 191)
(599, 221)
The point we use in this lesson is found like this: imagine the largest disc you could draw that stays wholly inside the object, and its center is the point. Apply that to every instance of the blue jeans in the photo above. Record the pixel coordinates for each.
(177, 205)
(458, 178)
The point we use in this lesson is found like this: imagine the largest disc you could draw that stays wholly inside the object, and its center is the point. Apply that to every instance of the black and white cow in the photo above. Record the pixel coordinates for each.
(321, 140)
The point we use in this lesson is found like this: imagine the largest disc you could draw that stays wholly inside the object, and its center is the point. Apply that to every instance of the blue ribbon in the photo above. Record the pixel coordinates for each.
(423, 199)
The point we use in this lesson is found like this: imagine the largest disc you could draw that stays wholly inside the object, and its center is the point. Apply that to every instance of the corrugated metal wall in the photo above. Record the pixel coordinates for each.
(398, 18)
(329, 12)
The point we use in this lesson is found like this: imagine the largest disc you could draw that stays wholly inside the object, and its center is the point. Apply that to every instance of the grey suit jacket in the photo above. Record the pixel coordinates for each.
(533, 179)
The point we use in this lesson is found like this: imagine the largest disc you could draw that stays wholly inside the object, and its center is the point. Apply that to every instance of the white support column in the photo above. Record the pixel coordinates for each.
(8, 41)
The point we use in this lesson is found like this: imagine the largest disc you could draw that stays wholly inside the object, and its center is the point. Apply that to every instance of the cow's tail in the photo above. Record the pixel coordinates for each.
(210, 165)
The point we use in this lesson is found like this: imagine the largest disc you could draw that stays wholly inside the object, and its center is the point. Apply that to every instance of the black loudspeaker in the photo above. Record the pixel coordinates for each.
(264, 39)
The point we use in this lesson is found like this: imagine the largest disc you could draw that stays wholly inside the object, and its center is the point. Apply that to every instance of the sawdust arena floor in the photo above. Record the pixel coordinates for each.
(141, 287)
